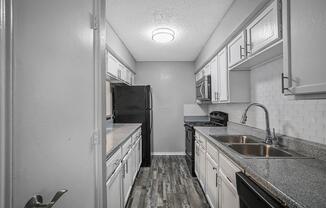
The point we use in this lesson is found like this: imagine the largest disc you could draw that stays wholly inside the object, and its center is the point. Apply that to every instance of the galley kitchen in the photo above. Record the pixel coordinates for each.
(162, 104)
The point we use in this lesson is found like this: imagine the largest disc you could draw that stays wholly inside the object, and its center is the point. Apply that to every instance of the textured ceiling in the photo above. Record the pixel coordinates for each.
(192, 20)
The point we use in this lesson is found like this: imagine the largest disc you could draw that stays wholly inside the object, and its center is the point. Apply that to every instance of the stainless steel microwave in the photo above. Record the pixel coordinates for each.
(203, 89)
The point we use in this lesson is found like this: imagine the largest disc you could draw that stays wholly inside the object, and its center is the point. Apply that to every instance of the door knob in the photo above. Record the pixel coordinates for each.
(37, 200)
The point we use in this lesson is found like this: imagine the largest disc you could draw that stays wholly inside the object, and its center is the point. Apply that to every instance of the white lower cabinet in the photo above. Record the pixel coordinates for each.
(202, 167)
(216, 174)
(197, 159)
(127, 177)
(212, 183)
(229, 196)
(119, 184)
(114, 189)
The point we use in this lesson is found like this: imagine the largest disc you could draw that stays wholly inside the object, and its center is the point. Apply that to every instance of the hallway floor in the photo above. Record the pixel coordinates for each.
(167, 184)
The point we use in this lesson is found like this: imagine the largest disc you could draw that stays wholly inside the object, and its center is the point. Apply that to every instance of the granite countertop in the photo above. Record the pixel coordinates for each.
(296, 182)
(117, 134)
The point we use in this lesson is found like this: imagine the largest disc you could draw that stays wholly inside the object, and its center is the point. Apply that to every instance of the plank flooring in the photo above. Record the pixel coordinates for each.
(167, 184)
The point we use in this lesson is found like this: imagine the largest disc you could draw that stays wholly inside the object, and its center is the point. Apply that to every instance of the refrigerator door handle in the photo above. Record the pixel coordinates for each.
(151, 106)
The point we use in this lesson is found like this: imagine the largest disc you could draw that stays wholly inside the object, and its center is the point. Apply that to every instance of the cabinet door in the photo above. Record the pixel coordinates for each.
(112, 65)
(265, 29)
(228, 193)
(214, 79)
(207, 70)
(140, 151)
(127, 177)
(211, 181)
(202, 167)
(223, 75)
(133, 164)
(197, 160)
(305, 35)
(237, 49)
(114, 190)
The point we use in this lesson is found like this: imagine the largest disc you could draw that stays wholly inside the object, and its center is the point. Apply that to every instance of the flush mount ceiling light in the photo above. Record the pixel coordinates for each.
(163, 35)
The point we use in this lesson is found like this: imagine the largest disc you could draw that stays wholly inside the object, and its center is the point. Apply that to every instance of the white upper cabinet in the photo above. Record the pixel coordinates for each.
(237, 49)
(265, 29)
(222, 72)
(112, 65)
(304, 47)
(228, 86)
(214, 80)
(117, 71)
(207, 70)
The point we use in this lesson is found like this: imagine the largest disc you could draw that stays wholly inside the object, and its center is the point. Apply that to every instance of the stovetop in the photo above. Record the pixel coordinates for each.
(217, 118)
(201, 123)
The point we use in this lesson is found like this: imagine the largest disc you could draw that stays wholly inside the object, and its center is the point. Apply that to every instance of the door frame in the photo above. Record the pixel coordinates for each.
(6, 63)
(99, 28)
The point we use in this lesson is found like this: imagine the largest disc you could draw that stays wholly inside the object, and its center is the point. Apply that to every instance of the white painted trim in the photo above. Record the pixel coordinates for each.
(2, 105)
(168, 153)
(6, 63)
(99, 9)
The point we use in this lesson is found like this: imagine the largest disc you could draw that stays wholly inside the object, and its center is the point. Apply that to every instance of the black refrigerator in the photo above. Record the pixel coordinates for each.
(133, 104)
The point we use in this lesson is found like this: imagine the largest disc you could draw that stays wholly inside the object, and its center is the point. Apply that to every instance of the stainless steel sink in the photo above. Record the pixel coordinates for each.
(236, 139)
(260, 150)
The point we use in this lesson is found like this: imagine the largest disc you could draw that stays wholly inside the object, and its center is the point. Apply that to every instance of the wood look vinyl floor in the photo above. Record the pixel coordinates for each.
(167, 184)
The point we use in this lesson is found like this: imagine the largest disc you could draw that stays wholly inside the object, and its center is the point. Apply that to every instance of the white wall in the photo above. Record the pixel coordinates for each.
(53, 112)
(119, 49)
(305, 119)
(238, 12)
(173, 85)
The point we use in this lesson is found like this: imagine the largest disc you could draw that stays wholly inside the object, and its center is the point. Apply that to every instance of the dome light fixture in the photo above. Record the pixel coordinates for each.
(163, 35)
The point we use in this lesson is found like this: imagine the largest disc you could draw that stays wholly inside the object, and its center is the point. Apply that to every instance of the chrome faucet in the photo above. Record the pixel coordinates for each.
(269, 138)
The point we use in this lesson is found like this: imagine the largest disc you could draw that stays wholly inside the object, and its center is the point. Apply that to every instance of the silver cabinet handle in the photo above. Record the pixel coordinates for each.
(216, 180)
(248, 49)
(241, 54)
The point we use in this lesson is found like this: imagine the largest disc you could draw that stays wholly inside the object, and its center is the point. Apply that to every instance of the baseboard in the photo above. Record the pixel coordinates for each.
(168, 153)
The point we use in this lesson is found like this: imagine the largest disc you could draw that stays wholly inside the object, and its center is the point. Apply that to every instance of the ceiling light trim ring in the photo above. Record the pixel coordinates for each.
(163, 35)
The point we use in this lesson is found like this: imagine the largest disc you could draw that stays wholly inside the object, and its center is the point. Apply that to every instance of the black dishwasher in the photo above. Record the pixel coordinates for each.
(252, 196)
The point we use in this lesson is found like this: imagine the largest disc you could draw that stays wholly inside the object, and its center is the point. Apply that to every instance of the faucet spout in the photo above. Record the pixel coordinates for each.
(269, 139)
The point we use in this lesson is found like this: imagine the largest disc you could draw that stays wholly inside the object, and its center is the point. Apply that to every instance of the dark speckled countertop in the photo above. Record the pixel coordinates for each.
(296, 182)
(117, 134)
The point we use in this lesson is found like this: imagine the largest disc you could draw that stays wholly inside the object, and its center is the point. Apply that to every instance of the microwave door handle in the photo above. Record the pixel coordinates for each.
(201, 91)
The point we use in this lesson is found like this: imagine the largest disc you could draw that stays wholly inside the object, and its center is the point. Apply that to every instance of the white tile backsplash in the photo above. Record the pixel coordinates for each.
(305, 119)
(195, 110)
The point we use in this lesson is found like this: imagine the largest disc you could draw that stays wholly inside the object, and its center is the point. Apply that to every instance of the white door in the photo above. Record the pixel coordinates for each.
(265, 29)
(228, 193)
(114, 190)
(197, 160)
(54, 59)
(202, 167)
(223, 75)
(237, 49)
(211, 181)
(214, 80)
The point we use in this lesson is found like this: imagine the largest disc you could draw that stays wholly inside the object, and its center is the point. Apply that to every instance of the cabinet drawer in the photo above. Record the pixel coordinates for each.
(201, 140)
(126, 146)
(212, 151)
(113, 162)
(228, 168)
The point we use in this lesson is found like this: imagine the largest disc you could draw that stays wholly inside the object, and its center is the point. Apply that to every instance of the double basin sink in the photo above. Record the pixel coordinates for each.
(250, 146)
